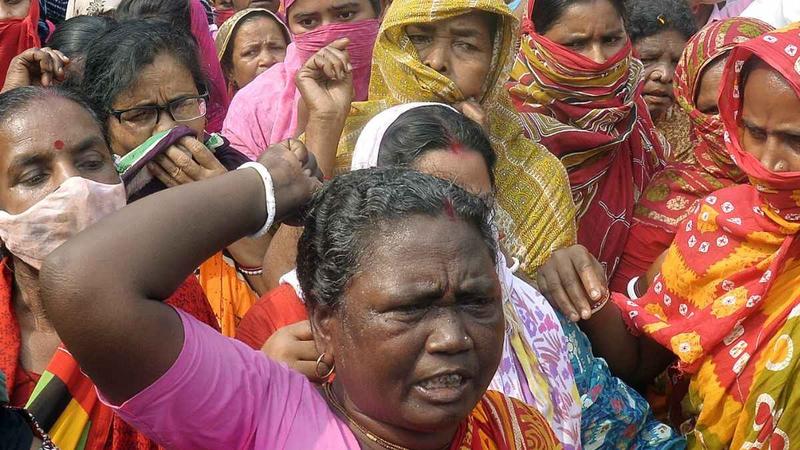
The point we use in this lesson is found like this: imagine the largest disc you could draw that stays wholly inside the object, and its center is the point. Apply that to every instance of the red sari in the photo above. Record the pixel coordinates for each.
(18, 35)
(593, 118)
(65, 402)
(672, 193)
(274, 310)
(727, 301)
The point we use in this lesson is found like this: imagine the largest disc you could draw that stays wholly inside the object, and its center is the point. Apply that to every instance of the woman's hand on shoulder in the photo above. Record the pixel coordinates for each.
(36, 67)
(187, 161)
(326, 82)
(295, 178)
(573, 281)
(294, 346)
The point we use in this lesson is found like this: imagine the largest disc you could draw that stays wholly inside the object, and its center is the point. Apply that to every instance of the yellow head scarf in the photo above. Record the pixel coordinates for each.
(535, 209)
(225, 35)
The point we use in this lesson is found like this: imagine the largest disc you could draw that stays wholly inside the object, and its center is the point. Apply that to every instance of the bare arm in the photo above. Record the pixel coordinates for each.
(636, 360)
(326, 84)
(250, 252)
(281, 255)
(99, 288)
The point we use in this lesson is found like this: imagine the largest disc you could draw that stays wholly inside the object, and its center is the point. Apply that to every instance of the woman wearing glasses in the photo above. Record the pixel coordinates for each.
(145, 80)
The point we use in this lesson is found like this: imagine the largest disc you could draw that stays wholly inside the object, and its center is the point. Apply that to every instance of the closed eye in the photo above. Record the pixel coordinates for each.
(419, 39)
(33, 178)
(755, 132)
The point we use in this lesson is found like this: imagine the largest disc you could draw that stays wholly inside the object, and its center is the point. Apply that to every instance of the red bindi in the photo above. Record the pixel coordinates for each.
(448, 209)
(58, 145)
(456, 148)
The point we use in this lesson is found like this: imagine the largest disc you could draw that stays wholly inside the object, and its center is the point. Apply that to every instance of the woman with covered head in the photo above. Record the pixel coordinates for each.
(724, 308)
(270, 109)
(249, 43)
(54, 182)
(413, 350)
(672, 193)
(578, 89)
(458, 52)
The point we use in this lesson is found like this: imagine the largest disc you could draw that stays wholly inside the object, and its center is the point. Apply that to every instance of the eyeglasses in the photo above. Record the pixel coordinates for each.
(183, 109)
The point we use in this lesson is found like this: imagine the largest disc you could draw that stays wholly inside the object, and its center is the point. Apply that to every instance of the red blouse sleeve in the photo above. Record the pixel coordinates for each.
(276, 309)
(645, 244)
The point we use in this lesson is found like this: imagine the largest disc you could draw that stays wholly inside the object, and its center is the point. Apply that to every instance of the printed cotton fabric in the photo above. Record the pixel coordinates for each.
(727, 300)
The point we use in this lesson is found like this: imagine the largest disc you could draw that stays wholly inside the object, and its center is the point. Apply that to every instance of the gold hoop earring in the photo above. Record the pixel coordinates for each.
(316, 368)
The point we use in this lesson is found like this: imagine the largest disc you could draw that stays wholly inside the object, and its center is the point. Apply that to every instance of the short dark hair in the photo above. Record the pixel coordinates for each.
(15, 100)
(427, 128)
(346, 213)
(113, 63)
(177, 12)
(650, 17)
(548, 12)
(74, 36)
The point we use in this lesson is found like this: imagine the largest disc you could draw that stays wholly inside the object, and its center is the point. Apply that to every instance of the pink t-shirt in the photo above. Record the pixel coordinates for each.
(221, 394)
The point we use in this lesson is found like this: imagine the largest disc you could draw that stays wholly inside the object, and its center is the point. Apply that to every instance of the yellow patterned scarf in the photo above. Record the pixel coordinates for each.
(535, 209)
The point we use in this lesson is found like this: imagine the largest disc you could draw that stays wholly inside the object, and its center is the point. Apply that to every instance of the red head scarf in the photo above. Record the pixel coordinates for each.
(593, 117)
(705, 48)
(18, 35)
(673, 191)
(728, 283)
(207, 51)
(780, 190)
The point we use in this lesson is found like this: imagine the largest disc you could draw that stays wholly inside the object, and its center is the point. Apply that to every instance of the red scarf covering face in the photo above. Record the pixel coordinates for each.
(703, 49)
(672, 192)
(65, 402)
(780, 190)
(18, 35)
(712, 301)
(593, 117)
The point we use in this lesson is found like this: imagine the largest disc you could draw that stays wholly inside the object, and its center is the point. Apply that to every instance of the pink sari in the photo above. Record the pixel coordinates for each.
(207, 51)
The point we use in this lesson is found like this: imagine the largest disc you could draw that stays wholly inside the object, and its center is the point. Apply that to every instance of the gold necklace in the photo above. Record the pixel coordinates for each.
(372, 437)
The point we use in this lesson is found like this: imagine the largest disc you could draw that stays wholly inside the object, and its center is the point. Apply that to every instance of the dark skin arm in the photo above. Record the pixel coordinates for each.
(636, 360)
(36, 67)
(201, 164)
(573, 281)
(325, 83)
(104, 288)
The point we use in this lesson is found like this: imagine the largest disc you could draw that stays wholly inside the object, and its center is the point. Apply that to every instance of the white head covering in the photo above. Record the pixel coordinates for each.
(365, 154)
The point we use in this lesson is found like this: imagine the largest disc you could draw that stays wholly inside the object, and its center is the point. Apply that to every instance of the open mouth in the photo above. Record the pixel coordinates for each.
(445, 388)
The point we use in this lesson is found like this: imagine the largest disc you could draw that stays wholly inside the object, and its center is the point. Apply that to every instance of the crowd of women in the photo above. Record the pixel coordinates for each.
(399, 224)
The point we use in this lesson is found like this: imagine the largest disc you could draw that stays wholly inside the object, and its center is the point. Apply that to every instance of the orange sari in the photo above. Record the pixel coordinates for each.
(727, 302)
(499, 422)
